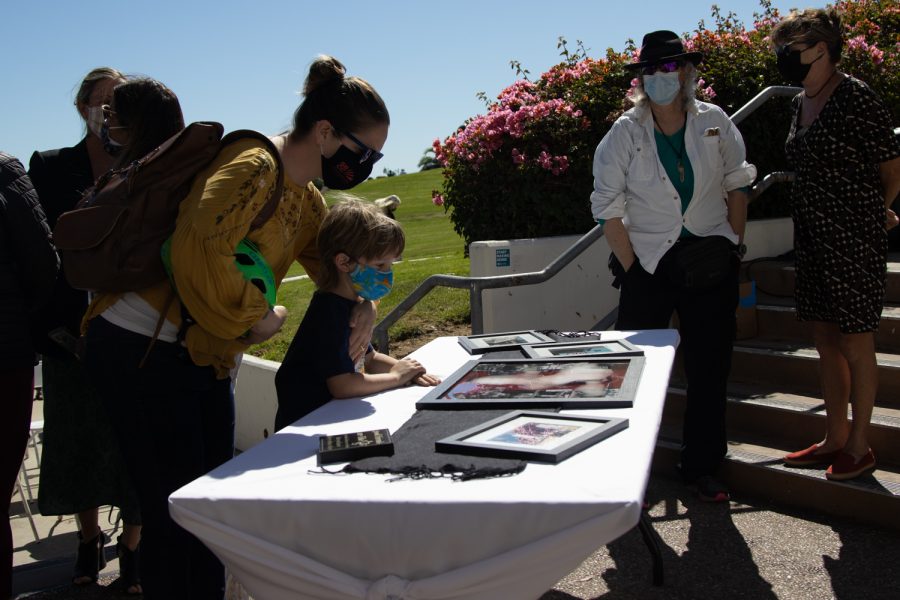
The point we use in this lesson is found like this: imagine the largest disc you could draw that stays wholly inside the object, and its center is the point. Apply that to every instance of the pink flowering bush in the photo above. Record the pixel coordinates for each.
(523, 169)
(872, 52)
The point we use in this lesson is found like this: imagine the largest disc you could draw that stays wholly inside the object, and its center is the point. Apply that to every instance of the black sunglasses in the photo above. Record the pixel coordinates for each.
(785, 50)
(367, 152)
(666, 67)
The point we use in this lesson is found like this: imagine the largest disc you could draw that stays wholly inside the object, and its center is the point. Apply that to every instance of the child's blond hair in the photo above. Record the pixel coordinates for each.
(359, 230)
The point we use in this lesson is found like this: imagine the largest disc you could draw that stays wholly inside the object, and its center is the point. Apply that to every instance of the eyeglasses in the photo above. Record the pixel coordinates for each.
(783, 51)
(107, 113)
(367, 152)
(666, 67)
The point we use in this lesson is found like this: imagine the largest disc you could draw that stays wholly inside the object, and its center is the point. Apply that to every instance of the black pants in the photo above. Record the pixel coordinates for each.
(16, 391)
(175, 422)
(707, 328)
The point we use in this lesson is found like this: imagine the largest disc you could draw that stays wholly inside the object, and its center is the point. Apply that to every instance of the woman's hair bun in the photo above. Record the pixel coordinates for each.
(324, 70)
(835, 17)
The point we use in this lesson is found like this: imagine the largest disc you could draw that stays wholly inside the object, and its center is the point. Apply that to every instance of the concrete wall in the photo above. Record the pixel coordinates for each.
(581, 294)
(769, 237)
(255, 401)
(576, 298)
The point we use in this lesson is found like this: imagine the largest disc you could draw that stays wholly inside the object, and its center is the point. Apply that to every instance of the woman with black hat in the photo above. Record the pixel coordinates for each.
(670, 181)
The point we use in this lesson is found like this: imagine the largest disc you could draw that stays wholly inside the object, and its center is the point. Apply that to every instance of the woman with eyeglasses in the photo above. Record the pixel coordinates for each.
(81, 464)
(670, 189)
(178, 408)
(847, 160)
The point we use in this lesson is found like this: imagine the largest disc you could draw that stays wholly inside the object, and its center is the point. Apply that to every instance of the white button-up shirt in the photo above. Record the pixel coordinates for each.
(631, 183)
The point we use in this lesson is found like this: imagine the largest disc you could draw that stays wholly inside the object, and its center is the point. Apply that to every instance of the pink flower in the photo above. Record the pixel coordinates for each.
(706, 93)
(876, 54)
(437, 199)
(544, 160)
(857, 43)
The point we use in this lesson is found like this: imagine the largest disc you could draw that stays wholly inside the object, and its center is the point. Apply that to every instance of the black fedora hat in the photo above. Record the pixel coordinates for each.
(663, 46)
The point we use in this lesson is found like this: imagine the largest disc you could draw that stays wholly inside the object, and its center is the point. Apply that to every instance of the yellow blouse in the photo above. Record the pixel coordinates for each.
(212, 219)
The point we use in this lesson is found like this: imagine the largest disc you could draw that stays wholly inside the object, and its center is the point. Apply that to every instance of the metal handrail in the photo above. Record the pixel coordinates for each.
(770, 180)
(478, 284)
(773, 91)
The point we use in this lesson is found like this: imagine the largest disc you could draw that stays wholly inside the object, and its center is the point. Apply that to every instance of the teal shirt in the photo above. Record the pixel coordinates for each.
(668, 156)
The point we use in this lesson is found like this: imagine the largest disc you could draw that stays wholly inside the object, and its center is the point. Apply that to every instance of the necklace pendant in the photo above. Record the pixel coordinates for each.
(681, 171)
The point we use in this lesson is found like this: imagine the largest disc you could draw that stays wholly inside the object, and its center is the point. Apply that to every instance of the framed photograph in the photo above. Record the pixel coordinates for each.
(509, 340)
(538, 383)
(532, 435)
(586, 348)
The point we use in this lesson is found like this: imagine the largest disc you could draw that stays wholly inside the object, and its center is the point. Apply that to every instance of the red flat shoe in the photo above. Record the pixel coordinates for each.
(847, 467)
(810, 458)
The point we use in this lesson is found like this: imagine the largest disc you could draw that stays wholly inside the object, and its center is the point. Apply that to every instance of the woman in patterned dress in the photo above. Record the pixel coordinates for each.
(847, 161)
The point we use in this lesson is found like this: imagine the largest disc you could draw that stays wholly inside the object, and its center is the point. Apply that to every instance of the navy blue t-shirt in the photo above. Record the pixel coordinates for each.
(319, 350)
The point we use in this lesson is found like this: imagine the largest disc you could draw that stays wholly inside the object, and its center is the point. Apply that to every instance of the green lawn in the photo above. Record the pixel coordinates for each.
(432, 247)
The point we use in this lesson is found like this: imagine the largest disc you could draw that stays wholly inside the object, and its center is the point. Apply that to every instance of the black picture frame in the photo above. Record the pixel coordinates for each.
(532, 435)
(600, 348)
(503, 340)
(538, 383)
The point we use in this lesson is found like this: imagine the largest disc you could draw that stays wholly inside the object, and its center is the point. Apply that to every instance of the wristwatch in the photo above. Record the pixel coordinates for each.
(740, 250)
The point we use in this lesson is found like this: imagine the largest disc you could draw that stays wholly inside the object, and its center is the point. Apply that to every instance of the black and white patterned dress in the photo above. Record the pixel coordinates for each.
(838, 208)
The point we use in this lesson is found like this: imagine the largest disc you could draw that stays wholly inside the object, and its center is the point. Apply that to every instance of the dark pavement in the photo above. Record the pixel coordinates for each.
(745, 549)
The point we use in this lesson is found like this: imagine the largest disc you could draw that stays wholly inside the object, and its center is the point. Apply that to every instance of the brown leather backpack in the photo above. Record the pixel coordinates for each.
(111, 240)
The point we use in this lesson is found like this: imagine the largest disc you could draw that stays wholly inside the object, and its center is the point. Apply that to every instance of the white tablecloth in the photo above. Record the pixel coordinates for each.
(286, 532)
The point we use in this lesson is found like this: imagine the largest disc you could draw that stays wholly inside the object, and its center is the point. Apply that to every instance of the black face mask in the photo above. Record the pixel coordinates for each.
(344, 170)
(790, 65)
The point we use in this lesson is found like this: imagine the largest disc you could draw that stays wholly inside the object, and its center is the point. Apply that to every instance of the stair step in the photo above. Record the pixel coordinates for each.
(789, 421)
(784, 366)
(775, 277)
(757, 471)
(775, 407)
(779, 322)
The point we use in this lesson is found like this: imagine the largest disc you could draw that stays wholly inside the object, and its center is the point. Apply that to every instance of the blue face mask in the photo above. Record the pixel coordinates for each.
(371, 284)
(662, 87)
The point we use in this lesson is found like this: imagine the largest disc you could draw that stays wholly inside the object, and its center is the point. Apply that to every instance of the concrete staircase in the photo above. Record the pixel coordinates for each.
(775, 407)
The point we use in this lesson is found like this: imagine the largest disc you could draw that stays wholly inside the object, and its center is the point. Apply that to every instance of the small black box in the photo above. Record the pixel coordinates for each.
(346, 447)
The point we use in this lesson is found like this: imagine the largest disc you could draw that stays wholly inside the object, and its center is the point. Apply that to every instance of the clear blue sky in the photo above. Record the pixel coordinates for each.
(241, 62)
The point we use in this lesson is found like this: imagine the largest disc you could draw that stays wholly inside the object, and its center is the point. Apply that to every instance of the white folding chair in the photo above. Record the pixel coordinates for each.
(38, 381)
(25, 506)
(37, 428)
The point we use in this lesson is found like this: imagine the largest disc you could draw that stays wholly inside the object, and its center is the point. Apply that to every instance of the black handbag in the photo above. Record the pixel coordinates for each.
(699, 263)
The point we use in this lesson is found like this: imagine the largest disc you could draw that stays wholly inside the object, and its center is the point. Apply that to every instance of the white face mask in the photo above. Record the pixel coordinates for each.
(95, 119)
(662, 87)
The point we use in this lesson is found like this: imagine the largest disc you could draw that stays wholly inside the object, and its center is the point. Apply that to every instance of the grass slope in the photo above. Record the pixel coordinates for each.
(432, 247)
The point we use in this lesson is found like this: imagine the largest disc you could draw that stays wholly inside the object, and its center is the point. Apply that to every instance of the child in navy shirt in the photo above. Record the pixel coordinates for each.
(358, 246)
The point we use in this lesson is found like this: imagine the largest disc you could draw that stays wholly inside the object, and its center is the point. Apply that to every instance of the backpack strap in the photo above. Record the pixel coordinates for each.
(159, 326)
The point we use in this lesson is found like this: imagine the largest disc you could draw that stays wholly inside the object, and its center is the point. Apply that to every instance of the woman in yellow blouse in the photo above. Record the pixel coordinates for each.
(175, 414)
